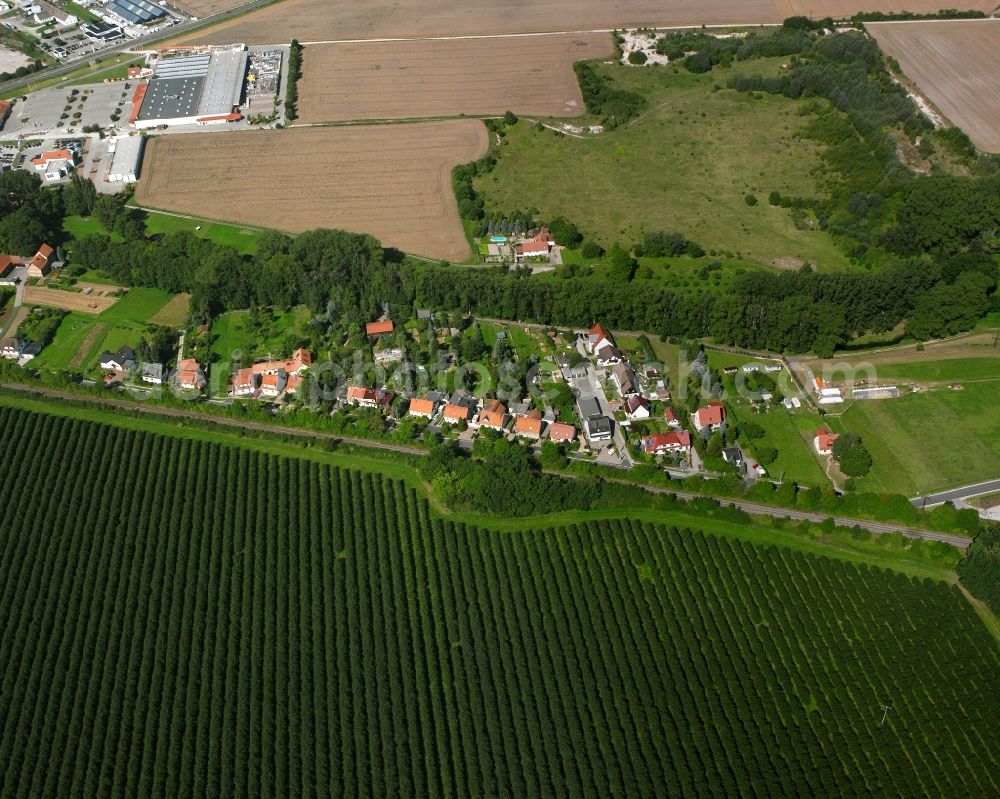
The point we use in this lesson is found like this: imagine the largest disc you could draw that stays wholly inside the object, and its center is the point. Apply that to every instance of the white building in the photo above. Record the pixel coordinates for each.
(126, 156)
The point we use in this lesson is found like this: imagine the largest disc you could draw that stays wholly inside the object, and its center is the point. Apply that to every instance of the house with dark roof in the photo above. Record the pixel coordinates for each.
(624, 379)
(122, 360)
(151, 373)
(637, 408)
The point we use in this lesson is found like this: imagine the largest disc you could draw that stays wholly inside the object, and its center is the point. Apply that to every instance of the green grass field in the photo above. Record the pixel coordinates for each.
(956, 369)
(345, 636)
(242, 239)
(791, 433)
(138, 305)
(689, 160)
(931, 440)
(231, 332)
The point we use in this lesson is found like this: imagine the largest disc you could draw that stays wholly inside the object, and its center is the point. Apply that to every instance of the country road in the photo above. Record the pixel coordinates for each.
(750, 507)
(965, 492)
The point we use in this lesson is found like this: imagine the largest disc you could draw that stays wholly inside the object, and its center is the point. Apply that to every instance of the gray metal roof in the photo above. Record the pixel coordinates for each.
(170, 98)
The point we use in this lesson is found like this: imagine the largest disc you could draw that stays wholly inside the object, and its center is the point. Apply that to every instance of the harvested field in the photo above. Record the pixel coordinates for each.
(393, 181)
(68, 300)
(956, 65)
(206, 8)
(399, 80)
(321, 20)
(175, 313)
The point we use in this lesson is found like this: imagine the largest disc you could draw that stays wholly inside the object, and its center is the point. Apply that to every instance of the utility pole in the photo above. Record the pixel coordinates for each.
(885, 712)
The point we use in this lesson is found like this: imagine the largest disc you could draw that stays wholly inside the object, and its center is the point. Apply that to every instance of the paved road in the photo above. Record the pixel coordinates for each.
(749, 507)
(974, 490)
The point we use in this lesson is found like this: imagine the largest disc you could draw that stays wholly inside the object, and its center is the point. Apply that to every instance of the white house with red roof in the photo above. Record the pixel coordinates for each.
(54, 164)
(189, 374)
(560, 432)
(823, 441)
(41, 262)
(537, 246)
(245, 383)
(670, 415)
(662, 443)
(709, 417)
(598, 333)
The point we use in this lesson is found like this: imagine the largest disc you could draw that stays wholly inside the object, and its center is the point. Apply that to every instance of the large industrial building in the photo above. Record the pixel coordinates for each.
(198, 86)
(138, 12)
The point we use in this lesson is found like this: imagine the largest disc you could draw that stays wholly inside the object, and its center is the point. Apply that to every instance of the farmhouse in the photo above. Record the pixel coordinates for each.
(560, 432)
(823, 441)
(662, 443)
(122, 360)
(537, 246)
(198, 86)
(379, 328)
(54, 164)
(40, 263)
(709, 417)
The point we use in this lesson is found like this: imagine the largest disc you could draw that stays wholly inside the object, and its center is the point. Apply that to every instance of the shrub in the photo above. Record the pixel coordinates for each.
(637, 57)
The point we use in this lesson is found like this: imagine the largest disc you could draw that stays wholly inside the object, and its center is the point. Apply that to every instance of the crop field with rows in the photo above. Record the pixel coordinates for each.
(182, 618)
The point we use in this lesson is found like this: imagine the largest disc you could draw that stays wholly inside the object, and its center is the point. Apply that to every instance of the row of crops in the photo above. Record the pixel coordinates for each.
(180, 618)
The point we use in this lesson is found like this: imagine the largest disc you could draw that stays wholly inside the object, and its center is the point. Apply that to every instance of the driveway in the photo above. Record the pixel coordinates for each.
(591, 387)
(20, 275)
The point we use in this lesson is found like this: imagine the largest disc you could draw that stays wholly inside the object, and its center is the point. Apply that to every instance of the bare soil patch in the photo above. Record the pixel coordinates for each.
(205, 8)
(174, 313)
(399, 80)
(68, 300)
(19, 316)
(85, 346)
(392, 181)
(956, 65)
(321, 20)
(99, 289)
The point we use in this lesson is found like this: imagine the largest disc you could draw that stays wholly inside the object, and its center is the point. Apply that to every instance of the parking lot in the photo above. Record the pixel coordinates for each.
(58, 111)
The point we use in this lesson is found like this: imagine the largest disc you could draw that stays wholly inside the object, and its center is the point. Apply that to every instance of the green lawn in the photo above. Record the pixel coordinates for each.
(690, 159)
(80, 12)
(956, 369)
(232, 332)
(138, 305)
(931, 440)
(791, 433)
(242, 239)
(239, 238)
(69, 338)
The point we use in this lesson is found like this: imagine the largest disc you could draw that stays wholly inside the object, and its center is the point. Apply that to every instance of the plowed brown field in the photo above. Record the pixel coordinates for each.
(205, 8)
(393, 181)
(322, 20)
(956, 65)
(337, 20)
(399, 80)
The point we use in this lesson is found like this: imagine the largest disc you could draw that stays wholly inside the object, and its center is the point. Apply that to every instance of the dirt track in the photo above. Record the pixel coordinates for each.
(393, 181)
(956, 65)
(400, 80)
(323, 20)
